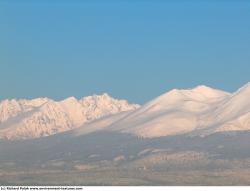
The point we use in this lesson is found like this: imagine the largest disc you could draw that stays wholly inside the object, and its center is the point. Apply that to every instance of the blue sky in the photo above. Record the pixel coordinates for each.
(131, 49)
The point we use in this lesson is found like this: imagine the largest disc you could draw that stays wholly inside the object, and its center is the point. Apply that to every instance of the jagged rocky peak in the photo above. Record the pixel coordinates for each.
(97, 106)
(9, 108)
(25, 119)
(105, 100)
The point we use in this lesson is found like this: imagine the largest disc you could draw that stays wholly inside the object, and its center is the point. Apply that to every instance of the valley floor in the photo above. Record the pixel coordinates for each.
(178, 169)
(216, 160)
(122, 177)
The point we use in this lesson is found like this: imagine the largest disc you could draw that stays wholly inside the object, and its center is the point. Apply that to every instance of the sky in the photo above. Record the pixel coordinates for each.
(134, 50)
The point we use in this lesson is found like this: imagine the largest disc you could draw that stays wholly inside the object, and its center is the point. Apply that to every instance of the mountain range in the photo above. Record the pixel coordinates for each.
(198, 136)
(199, 111)
(27, 119)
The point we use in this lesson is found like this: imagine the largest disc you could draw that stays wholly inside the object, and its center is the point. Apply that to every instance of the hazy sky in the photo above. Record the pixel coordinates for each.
(131, 49)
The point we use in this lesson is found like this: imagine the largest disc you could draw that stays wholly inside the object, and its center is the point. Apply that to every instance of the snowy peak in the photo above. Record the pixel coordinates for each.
(69, 100)
(198, 111)
(196, 99)
(9, 108)
(42, 116)
(197, 93)
(209, 92)
(98, 99)
(102, 105)
(235, 105)
(244, 90)
(34, 102)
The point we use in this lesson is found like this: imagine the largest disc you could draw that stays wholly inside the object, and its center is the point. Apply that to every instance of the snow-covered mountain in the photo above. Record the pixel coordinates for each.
(24, 119)
(230, 114)
(200, 132)
(199, 111)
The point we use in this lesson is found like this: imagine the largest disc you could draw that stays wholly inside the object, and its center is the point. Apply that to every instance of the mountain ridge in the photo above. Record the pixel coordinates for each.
(47, 117)
(177, 112)
(200, 111)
